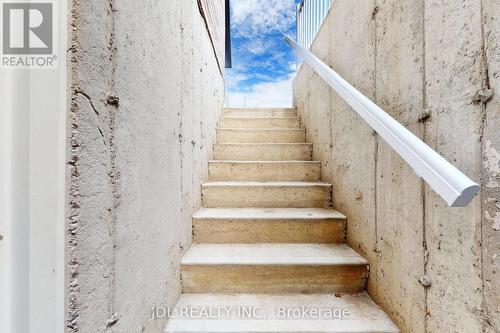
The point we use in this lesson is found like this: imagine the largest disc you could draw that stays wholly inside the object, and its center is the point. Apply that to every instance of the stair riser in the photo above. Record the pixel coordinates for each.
(263, 152)
(274, 197)
(269, 123)
(269, 231)
(259, 114)
(275, 279)
(229, 171)
(264, 136)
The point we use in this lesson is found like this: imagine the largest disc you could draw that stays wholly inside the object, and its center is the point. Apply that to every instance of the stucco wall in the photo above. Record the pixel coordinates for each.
(427, 63)
(144, 96)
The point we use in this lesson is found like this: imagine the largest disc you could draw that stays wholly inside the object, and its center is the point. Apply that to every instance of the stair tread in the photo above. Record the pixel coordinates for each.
(272, 254)
(289, 129)
(258, 109)
(259, 113)
(246, 118)
(266, 162)
(268, 213)
(364, 315)
(267, 183)
(266, 144)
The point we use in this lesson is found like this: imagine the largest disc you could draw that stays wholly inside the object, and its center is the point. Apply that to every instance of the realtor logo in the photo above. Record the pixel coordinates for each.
(27, 35)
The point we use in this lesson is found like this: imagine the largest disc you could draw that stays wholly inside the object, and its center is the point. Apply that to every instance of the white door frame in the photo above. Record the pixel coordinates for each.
(33, 115)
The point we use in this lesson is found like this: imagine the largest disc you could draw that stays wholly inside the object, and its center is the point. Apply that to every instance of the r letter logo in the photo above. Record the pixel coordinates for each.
(28, 35)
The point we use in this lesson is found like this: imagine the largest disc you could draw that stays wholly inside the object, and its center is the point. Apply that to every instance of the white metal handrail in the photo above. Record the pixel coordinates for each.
(450, 183)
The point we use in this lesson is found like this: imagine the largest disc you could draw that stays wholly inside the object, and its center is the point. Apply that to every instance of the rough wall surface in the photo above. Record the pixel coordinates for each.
(145, 92)
(490, 168)
(435, 67)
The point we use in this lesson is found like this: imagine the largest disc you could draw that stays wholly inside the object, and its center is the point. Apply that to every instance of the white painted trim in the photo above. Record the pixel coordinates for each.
(32, 195)
(15, 201)
(450, 183)
(6, 253)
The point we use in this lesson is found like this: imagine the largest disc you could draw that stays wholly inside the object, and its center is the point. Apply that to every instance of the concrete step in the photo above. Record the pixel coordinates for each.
(257, 313)
(263, 152)
(267, 194)
(261, 122)
(264, 170)
(294, 135)
(273, 268)
(268, 225)
(279, 113)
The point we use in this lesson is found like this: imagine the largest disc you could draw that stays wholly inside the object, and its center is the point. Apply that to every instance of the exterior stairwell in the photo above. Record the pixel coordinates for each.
(267, 239)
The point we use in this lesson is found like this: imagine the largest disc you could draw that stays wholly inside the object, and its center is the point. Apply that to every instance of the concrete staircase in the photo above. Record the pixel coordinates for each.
(269, 252)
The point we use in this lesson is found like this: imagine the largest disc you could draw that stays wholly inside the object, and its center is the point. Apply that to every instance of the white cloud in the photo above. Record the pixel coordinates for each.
(256, 46)
(256, 17)
(272, 94)
(233, 79)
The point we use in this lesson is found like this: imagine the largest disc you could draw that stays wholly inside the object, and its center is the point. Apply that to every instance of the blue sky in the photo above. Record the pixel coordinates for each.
(263, 64)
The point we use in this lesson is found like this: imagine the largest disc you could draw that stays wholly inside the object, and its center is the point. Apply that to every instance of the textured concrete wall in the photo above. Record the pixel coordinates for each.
(432, 65)
(490, 168)
(145, 93)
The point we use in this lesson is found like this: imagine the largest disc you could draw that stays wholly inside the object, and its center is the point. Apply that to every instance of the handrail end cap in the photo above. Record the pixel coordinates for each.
(466, 196)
